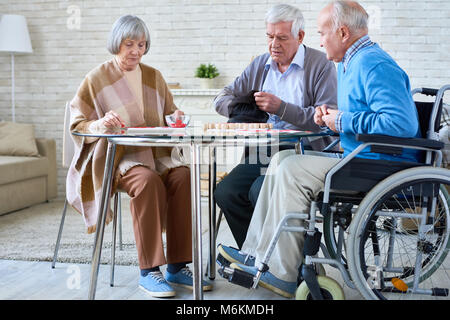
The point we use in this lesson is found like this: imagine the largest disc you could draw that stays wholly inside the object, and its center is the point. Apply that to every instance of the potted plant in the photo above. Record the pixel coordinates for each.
(207, 73)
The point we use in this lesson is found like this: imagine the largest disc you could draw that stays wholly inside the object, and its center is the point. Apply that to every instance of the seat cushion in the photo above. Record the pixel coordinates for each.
(21, 168)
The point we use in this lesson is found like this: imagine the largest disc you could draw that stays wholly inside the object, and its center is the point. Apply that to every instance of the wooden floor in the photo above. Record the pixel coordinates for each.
(25, 280)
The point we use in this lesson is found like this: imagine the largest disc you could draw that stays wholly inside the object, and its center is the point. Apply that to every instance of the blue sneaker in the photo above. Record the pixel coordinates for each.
(269, 281)
(231, 255)
(183, 278)
(155, 285)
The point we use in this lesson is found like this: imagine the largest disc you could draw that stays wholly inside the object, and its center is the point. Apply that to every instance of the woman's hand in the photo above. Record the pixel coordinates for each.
(112, 120)
(177, 114)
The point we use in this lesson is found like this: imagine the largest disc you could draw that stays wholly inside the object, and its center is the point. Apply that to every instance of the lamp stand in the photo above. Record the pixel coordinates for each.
(13, 110)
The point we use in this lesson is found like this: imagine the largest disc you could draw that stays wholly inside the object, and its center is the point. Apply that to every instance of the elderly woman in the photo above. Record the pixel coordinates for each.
(123, 92)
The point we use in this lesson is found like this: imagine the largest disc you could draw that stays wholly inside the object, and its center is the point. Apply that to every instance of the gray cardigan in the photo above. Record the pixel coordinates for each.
(319, 84)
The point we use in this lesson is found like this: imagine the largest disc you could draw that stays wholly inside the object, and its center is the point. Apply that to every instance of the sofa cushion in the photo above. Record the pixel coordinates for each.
(17, 139)
(21, 194)
(21, 168)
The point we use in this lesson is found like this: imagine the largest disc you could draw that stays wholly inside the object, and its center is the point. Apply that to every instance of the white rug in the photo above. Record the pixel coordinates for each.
(30, 234)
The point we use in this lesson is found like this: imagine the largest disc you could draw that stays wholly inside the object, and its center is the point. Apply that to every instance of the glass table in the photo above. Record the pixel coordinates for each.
(196, 139)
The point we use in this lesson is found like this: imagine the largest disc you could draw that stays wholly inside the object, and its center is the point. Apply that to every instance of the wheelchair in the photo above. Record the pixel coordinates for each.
(385, 224)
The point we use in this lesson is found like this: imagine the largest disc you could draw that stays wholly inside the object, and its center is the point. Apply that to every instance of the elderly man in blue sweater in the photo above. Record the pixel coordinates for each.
(373, 98)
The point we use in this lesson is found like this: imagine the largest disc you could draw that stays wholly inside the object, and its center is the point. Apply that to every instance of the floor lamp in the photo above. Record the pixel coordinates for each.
(15, 39)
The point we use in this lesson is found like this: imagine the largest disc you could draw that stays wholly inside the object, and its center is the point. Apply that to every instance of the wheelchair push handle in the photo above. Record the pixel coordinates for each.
(429, 91)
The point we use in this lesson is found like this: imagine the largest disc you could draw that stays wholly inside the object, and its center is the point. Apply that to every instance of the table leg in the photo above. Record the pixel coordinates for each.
(299, 147)
(101, 220)
(196, 222)
(212, 214)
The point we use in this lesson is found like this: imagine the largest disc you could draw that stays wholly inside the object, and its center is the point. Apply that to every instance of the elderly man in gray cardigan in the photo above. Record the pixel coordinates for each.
(291, 80)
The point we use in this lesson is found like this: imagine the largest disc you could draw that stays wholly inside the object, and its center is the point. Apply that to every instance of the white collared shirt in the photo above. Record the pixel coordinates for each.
(287, 86)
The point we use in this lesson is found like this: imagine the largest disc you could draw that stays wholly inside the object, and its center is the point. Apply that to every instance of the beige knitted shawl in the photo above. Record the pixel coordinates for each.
(105, 88)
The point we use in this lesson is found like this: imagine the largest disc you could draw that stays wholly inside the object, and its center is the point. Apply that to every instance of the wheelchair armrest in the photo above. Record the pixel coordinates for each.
(401, 142)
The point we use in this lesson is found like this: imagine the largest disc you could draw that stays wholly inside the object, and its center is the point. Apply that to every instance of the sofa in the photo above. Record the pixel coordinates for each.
(28, 172)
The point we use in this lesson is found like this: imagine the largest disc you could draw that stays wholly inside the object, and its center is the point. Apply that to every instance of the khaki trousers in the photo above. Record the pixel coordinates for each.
(292, 181)
(157, 202)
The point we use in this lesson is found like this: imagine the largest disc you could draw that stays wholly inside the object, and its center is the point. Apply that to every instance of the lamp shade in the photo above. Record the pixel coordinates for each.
(14, 35)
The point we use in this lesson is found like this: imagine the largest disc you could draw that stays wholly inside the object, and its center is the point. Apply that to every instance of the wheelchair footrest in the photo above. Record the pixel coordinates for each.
(237, 276)
(222, 261)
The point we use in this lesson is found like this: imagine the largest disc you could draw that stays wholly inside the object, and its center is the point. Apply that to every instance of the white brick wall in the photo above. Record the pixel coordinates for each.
(186, 33)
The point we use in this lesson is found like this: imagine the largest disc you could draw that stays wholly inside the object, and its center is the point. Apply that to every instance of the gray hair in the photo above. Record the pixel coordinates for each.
(288, 13)
(350, 14)
(127, 27)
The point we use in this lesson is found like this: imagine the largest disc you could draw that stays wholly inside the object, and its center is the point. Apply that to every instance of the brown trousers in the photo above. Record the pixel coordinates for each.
(157, 202)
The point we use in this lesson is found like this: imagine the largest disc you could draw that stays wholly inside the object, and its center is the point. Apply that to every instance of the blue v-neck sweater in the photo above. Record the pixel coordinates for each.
(375, 96)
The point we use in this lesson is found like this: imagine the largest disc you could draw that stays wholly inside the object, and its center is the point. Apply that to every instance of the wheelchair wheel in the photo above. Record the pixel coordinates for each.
(330, 289)
(391, 259)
